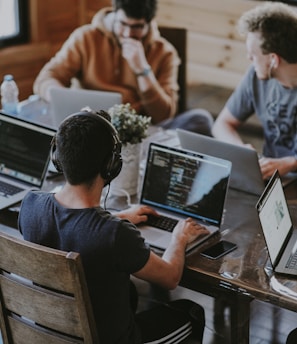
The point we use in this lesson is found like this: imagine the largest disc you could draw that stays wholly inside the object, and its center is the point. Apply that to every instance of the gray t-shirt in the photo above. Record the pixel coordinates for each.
(276, 108)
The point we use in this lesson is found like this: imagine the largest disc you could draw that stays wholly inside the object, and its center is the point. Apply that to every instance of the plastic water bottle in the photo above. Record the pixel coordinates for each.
(9, 95)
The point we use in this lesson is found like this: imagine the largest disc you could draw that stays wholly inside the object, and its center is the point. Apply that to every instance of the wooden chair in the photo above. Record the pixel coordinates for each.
(43, 295)
(178, 38)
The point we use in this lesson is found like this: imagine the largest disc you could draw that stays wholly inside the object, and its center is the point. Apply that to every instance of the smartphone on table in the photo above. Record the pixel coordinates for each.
(219, 249)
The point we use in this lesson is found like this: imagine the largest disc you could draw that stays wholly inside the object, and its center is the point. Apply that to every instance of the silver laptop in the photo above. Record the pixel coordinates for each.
(181, 184)
(279, 234)
(24, 158)
(66, 101)
(246, 174)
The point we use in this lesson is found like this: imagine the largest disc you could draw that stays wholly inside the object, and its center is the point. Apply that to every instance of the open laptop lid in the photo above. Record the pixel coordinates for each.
(24, 150)
(186, 183)
(66, 101)
(275, 218)
(246, 174)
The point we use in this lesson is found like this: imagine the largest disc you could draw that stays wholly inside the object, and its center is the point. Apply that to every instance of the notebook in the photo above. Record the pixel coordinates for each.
(180, 184)
(66, 101)
(246, 174)
(24, 158)
(276, 223)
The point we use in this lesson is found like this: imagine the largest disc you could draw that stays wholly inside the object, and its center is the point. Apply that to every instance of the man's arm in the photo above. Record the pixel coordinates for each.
(60, 70)
(158, 94)
(167, 270)
(225, 128)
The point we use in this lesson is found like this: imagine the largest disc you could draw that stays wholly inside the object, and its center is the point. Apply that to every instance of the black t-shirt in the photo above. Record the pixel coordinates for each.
(111, 249)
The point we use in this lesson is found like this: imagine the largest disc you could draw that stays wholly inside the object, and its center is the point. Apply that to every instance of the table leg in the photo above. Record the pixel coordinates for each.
(240, 320)
(224, 295)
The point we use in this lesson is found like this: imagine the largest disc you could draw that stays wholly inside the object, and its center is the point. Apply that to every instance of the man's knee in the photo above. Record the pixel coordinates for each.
(195, 120)
(199, 121)
(196, 314)
(292, 337)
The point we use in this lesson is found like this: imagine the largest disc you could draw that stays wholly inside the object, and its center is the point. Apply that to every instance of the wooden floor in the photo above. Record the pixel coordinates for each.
(268, 324)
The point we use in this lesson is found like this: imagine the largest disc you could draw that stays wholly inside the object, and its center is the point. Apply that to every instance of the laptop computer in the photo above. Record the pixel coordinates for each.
(181, 184)
(66, 101)
(276, 223)
(24, 158)
(245, 175)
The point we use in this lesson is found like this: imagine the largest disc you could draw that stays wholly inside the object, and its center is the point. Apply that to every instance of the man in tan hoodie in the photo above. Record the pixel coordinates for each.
(122, 51)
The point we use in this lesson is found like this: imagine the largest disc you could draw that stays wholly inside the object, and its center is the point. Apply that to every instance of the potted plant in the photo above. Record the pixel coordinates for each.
(132, 129)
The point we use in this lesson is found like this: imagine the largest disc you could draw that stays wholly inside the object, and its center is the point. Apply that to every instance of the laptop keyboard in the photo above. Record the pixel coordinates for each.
(292, 262)
(162, 222)
(8, 189)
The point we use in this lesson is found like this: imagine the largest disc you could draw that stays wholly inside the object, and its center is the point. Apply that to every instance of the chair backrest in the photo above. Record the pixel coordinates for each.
(43, 295)
(178, 38)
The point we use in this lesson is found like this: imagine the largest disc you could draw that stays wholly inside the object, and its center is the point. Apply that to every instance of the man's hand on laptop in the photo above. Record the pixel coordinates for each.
(188, 230)
(137, 213)
(283, 165)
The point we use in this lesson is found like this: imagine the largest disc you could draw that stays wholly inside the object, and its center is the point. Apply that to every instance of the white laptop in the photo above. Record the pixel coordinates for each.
(24, 158)
(66, 101)
(279, 234)
(180, 184)
(246, 174)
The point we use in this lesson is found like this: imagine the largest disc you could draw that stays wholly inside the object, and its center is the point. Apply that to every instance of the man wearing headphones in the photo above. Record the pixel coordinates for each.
(87, 149)
(269, 88)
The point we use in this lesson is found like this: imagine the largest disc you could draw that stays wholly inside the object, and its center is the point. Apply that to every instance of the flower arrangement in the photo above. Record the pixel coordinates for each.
(131, 127)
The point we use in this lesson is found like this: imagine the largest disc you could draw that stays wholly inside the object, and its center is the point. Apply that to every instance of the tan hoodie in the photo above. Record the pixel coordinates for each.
(92, 55)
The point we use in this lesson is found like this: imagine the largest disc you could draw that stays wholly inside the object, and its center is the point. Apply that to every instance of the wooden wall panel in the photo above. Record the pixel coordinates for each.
(94, 6)
(216, 53)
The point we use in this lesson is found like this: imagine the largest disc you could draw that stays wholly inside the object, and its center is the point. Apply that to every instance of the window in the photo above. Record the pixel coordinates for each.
(13, 22)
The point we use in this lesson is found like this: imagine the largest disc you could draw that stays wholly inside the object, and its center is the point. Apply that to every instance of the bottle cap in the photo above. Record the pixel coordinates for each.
(8, 77)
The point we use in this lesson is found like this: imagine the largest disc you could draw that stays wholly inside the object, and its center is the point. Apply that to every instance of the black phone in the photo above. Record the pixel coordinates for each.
(219, 249)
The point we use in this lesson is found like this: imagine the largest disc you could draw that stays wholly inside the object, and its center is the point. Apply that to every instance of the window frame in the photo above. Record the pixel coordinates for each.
(23, 35)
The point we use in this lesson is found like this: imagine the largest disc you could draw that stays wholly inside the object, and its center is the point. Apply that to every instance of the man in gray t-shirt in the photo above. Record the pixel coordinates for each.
(87, 150)
(269, 88)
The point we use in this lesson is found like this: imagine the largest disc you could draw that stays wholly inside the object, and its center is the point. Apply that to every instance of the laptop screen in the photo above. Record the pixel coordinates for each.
(187, 183)
(24, 150)
(274, 217)
(242, 178)
(66, 101)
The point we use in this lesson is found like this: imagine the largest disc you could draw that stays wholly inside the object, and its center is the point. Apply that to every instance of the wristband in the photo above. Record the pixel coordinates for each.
(146, 71)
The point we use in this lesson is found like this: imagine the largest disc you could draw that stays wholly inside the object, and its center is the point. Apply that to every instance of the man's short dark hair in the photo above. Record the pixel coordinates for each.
(83, 145)
(137, 9)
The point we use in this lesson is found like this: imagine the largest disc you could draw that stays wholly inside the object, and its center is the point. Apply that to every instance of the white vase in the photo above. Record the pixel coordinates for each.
(127, 181)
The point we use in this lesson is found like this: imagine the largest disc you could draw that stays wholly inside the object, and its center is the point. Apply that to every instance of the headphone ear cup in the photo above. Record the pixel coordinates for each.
(113, 166)
(54, 157)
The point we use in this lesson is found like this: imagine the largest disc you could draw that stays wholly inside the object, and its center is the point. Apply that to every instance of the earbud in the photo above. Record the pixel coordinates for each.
(272, 63)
